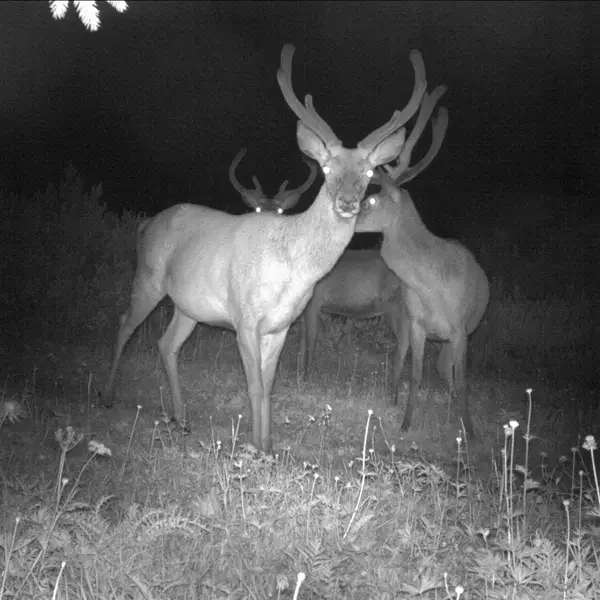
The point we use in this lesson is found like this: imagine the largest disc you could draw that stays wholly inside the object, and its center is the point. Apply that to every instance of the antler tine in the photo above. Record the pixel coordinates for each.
(427, 105)
(289, 198)
(309, 181)
(439, 125)
(305, 112)
(399, 118)
(256, 183)
(236, 161)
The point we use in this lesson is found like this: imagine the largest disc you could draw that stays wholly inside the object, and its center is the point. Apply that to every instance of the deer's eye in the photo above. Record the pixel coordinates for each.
(370, 173)
(280, 211)
(372, 201)
(326, 170)
(258, 209)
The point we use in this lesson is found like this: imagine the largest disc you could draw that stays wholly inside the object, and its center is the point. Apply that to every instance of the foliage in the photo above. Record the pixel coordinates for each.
(87, 12)
(68, 261)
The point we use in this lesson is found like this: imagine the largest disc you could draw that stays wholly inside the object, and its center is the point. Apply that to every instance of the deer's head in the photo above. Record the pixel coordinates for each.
(347, 171)
(257, 200)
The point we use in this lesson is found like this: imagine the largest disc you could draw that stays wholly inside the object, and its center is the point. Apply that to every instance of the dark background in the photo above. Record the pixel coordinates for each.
(157, 103)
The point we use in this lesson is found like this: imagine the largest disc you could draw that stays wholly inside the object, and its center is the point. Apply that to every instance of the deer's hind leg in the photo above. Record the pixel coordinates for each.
(179, 329)
(144, 298)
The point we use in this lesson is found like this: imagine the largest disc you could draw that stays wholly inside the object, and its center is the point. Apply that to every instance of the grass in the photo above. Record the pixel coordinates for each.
(115, 504)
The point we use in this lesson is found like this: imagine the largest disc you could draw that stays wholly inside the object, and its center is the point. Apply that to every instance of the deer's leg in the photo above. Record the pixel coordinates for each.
(417, 345)
(144, 298)
(179, 329)
(249, 345)
(398, 320)
(445, 363)
(271, 346)
(311, 330)
(459, 347)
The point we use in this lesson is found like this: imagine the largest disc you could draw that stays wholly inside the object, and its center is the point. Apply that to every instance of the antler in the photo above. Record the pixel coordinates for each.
(399, 118)
(289, 198)
(236, 184)
(401, 172)
(305, 112)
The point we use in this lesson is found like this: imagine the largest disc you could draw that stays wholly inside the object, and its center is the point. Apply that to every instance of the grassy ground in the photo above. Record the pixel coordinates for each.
(114, 503)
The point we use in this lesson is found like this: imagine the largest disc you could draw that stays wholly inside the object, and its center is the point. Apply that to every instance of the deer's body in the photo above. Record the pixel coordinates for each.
(446, 291)
(255, 273)
(361, 286)
(275, 279)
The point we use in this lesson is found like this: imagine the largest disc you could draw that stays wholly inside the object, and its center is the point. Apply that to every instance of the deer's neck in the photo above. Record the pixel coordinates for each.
(409, 248)
(318, 236)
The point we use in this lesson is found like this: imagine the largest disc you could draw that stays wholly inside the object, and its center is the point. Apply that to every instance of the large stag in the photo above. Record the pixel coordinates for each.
(259, 202)
(361, 285)
(255, 273)
(445, 290)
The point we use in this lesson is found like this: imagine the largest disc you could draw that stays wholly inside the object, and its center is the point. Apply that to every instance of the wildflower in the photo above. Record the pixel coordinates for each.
(590, 443)
(99, 448)
(11, 411)
(514, 424)
(282, 583)
(67, 439)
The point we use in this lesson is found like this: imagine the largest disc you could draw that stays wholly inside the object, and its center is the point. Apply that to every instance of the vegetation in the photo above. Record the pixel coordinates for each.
(116, 504)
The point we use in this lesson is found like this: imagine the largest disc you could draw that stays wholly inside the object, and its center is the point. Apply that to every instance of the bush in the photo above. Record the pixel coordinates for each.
(67, 261)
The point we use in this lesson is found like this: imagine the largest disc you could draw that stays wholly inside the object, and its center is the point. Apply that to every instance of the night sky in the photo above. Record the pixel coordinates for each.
(157, 103)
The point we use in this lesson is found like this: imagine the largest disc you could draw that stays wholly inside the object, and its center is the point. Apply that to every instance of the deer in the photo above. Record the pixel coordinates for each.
(445, 290)
(254, 273)
(361, 285)
(255, 198)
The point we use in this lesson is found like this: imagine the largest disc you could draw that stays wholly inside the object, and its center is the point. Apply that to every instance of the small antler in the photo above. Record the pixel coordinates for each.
(399, 118)
(305, 112)
(253, 198)
(401, 172)
(234, 164)
(288, 199)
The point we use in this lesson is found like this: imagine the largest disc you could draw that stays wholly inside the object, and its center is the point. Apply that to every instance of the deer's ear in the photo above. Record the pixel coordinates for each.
(312, 145)
(388, 149)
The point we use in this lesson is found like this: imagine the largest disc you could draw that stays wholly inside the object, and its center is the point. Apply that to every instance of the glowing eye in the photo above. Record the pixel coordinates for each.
(258, 209)
(280, 211)
(370, 173)
(372, 201)
(326, 170)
